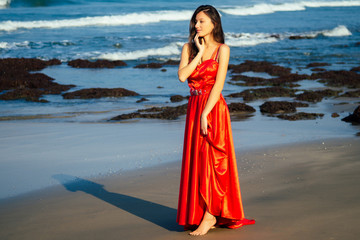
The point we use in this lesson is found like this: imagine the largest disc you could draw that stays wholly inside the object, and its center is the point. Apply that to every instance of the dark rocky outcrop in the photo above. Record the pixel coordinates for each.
(340, 78)
(149, 65)
(300, 116)
(15, 75)
(171, 62)
(354, 117)
(177, 98)
(351, 94)
(316, 96)
(318, 69)
(283, 81)
(253, 94)
(82, 63)
(17, 65)
(31, 95)
(158, 65)
(99, 93)
(275, 107)
(355, 69)
(169, 113)
(260, 66)
(298, 37)
(317, 64)
(240, 108)
(142, 100)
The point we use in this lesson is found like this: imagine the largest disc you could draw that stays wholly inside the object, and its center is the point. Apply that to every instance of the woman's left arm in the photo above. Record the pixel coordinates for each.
(224, 55)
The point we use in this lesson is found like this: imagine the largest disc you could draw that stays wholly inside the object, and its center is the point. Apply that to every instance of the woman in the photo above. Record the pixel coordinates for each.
(209, 187)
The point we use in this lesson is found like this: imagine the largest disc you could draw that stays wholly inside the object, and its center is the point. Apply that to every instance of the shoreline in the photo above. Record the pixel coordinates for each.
(293, 191)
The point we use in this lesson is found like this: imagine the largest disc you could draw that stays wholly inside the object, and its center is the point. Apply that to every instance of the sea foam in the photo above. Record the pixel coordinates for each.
(249, 39)
(171, 49)
(4, 3)
(115, 20)
(339, 31)
(265, 8)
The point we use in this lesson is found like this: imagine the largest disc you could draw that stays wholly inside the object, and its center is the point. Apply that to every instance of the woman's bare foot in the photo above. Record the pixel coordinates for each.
(206, 224)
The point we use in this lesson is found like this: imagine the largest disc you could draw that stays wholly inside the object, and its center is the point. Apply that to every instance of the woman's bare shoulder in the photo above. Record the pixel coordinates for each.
(224, 48)
(186, 46)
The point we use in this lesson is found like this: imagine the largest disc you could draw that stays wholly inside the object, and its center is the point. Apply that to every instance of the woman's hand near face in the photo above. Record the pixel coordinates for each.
(200, 47)
(186, 67)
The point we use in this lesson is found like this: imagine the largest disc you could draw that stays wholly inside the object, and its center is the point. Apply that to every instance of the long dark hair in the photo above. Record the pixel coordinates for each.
(217, 32)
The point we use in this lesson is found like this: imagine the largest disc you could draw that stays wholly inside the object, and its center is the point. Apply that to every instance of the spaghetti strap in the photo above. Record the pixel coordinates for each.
(217, 52)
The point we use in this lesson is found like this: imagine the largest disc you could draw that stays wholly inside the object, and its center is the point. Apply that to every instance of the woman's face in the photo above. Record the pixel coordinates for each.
(203, 25)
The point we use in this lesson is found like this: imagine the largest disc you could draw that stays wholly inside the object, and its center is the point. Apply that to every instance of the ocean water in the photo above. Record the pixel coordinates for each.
(154, 31)
(150, 31)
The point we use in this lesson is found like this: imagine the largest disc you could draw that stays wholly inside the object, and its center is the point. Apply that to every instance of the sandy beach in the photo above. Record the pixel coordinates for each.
(296, 191)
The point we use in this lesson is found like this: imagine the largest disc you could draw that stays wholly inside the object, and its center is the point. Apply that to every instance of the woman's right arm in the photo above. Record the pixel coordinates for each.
(186, 68)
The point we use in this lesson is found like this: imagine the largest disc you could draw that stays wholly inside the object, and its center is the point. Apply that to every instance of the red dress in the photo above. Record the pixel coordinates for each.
(209, 178)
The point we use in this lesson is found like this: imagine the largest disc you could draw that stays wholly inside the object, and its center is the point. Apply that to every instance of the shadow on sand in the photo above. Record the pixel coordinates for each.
(160, 215)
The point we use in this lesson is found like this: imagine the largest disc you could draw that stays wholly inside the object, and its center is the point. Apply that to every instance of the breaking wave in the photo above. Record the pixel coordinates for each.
(171, 49)
(249, 39)
(116, 20)
(265, 8)
(4, 3)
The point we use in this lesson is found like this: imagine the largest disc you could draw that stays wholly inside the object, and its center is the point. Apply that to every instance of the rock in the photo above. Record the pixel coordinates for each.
(255, 80)
(163, 70)
(171, 62)
(351, 94)
(177, 98)
(340, 78)
(14, 74)
(335, 115)
(142, 100)
(317, 64)
(355, 69)
(240, 108)
(99, 93)
(28, 94)
(82, 63)
(169, 113)
(354, 117)
(159, 87)
(17, 65)
(316, 96)
(253, 94)
(276, 107)
(149, 65)
(284, 81)
(300, 116)
(318, 69)
(298, 37)
(158, 65)
(260, 66)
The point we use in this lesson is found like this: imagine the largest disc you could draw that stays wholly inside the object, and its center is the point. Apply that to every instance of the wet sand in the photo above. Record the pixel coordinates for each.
(297, 191)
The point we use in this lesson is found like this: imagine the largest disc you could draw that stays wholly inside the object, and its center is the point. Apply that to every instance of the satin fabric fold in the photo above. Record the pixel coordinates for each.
(209, 177)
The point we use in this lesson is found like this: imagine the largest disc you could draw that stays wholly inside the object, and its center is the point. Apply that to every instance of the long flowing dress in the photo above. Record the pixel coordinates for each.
(209, 177)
